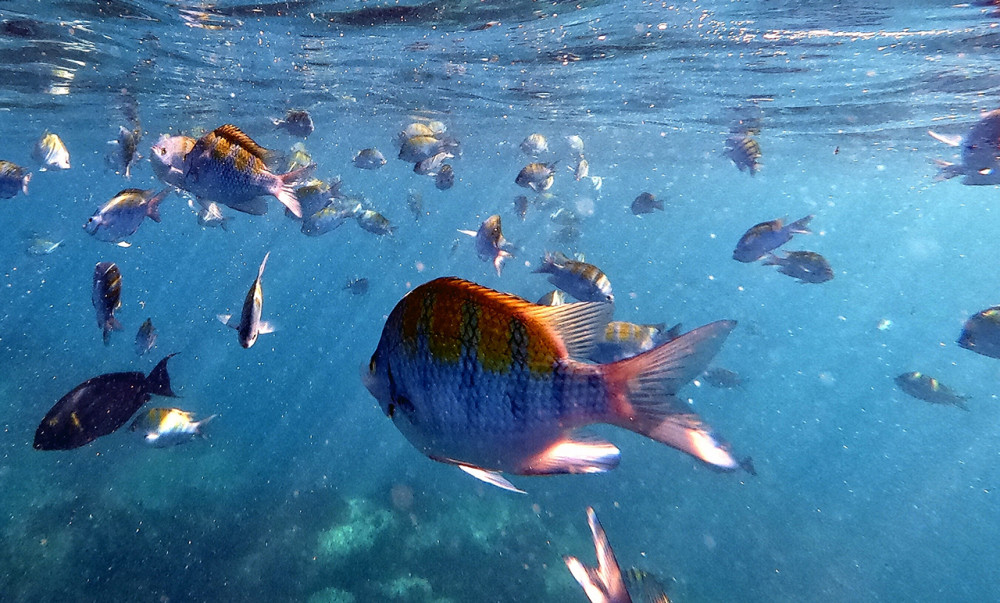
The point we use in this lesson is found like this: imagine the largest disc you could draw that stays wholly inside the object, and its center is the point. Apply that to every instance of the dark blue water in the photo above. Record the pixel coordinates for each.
(304, 491)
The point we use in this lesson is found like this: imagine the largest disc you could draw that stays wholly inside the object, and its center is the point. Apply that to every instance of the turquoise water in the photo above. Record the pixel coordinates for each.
(304, 491)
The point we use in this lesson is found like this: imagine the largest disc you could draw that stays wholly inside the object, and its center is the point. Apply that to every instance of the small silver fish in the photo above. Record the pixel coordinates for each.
(582, 169)
(534, 145)
(491, 246)
(121, 217)
(575, 144)
(329, 218)
(369, 159)
(42, 246)
(418, 148)
(13, 179)
(163, 427)
(357, 286)
(51, 153)
(145, 338)
(106, 296)
(432, 165)
(250, 324)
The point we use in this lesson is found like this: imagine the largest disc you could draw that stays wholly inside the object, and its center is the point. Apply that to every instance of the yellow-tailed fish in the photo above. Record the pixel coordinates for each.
(163, 427)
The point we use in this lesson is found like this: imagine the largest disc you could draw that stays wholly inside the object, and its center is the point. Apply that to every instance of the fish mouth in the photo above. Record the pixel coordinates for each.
(91, 226)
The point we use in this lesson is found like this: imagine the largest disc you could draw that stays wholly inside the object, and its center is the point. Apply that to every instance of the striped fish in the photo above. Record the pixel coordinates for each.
(493, 383)
(107, 297)
(583, 281)
(228, 167)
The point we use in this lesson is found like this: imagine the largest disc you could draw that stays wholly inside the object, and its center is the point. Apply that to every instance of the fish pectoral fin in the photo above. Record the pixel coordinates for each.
(471, 233)
(490, 477)
(951, 141)
(227, 319)
(579, 453)
(123, 244)
(265, 327)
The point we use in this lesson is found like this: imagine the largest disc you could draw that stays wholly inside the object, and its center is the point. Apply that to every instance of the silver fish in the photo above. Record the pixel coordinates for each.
(583, 281)
(51, 153)
(250, 324)
(536, 176)
(432, 165)
(534, 144)
(121, 217)
(163, 427)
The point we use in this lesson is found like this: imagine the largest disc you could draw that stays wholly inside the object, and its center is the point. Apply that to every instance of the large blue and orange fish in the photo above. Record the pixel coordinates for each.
(493, 383)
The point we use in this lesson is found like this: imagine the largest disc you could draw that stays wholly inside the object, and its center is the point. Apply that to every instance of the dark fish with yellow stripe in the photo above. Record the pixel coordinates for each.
(228, 167)
(250, 324)
(13, 179)
(583, 281)
(106, 296)
(929, 389)
(744, 151)
(493, 383)
(99, 406)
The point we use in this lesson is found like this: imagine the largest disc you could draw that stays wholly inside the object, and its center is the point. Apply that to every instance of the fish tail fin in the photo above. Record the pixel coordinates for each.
(286, 193)
(24, 183)
(158, 381)
(603, 583)
(642, 394)
(198, 425)
(801, 226)
(153, 205)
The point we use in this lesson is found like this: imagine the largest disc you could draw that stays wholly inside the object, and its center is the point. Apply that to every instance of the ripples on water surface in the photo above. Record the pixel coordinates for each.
(863, 493)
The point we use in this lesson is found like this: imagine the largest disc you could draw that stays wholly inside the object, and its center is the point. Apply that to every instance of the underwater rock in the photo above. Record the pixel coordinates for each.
(365, 523)
(331, 595)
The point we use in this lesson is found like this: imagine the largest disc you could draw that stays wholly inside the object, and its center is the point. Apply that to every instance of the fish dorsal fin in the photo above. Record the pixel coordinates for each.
(578, 325)
(491, 477)
(236, 137)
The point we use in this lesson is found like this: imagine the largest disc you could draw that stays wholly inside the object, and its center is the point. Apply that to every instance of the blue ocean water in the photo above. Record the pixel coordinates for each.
(304, 491)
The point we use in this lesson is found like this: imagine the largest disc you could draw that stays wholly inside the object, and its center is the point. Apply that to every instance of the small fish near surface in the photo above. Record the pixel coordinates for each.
(124, 151)
(417, 148)
(51, 153)
(491, 246)
(646, 203)
(99, 406)
(145, 338)
(14, 179)
(492, 383)
(534, 145)
(744, 151)
(121, 217)
(296, 122)
(607, 583)
(981, 333)
(369, 159)
(445, 178)
(250, 325)
(536, 176)
(807, 266)
(228, 167)
(929, 389)
(165, 427)
(980, 153)
(583, 281)
(107, 297)
(768, 236)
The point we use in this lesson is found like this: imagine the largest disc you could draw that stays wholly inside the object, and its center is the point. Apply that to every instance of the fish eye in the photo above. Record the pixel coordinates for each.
(161, 150)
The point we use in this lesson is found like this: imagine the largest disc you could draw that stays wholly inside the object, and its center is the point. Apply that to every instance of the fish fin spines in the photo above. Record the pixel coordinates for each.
(235, 136)
(490, 477)
(578, 325)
